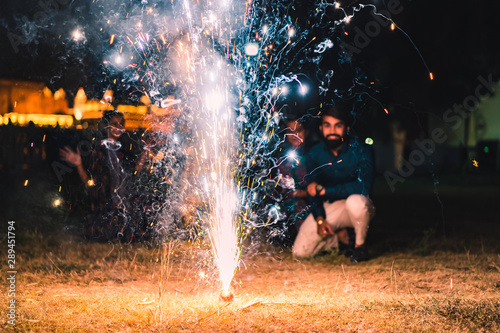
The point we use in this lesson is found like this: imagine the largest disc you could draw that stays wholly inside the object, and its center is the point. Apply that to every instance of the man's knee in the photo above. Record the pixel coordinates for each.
(300, 252)
(357, 203)
(307, 232)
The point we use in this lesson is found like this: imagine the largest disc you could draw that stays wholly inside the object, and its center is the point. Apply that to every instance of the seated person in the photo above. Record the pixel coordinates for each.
(340, 178)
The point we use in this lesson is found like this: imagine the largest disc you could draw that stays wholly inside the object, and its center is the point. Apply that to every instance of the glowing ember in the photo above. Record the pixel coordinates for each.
(226, 296)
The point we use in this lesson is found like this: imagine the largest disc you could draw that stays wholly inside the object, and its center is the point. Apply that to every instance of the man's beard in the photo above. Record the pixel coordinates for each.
(334, 141)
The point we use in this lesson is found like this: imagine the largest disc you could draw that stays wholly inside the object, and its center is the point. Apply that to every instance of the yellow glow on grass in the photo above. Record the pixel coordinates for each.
(93, 287)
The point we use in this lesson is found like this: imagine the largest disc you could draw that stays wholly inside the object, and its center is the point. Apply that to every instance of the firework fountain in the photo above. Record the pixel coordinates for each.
(214, 80)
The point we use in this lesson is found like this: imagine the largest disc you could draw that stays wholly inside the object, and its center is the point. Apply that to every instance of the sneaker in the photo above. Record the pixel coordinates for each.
(359, 254)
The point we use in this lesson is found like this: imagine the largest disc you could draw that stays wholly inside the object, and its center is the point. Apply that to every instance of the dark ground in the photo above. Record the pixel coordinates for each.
(460, 213)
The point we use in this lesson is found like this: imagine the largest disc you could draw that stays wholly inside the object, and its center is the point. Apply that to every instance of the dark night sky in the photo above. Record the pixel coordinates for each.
(457, 39)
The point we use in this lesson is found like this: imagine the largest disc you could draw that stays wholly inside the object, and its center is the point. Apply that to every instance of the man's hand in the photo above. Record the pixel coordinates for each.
(70, 156)
(324, 229)
(312, 189)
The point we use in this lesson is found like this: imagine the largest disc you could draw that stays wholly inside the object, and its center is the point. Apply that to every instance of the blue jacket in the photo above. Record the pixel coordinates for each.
(350, 172)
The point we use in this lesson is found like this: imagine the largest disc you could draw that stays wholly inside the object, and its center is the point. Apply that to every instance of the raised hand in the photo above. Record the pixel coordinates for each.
(70, 156)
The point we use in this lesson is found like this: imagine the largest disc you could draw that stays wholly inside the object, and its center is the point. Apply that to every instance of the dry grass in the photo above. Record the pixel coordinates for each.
(80, 287)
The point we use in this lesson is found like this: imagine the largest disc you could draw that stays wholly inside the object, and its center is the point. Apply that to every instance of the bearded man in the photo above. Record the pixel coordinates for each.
(340, 178)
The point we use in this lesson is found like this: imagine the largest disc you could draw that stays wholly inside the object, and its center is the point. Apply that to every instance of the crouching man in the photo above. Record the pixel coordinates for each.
(340, 178)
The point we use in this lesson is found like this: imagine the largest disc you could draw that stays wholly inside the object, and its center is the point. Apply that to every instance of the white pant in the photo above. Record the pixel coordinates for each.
(354, 212)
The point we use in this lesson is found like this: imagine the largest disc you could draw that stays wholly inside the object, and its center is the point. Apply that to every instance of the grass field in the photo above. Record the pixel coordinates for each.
(435, 268)
(83, 287)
